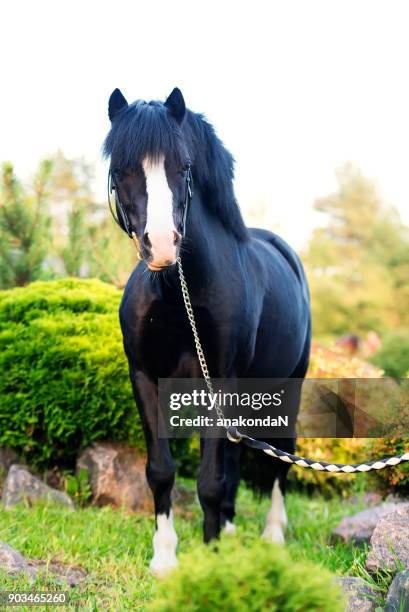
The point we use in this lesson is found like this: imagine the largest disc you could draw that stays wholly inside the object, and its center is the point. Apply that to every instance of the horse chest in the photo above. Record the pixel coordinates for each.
(161, 337)
(164, 344)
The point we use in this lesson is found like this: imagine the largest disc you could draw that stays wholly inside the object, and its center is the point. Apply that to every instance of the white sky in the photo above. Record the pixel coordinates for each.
(294, 88)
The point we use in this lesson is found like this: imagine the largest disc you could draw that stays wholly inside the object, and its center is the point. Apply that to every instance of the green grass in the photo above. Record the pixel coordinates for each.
(114, 547)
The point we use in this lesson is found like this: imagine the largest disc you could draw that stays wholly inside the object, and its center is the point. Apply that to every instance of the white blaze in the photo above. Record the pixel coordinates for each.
(276, 517)
(159, 225)
(164, 545)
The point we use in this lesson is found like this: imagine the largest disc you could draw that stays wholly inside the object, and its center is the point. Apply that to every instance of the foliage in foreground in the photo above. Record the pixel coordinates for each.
(234, 575)
(64, 377)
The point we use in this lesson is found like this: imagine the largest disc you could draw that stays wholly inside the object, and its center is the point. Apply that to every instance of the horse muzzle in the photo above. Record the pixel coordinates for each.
(161, 251)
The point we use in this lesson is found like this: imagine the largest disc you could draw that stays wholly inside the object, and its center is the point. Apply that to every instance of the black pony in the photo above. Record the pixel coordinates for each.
(248, 291)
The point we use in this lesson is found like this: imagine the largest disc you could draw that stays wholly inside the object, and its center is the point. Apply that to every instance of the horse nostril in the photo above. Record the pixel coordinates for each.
(145, 241)
(176, 238)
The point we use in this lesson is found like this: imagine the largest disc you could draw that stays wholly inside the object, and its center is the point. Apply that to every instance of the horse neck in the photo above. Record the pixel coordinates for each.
(208, 246)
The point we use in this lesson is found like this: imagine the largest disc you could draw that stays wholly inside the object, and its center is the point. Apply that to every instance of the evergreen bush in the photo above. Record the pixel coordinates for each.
(63, 373)
(236, 576)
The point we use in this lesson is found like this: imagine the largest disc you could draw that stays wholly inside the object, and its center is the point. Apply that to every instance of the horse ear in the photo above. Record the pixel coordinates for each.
(116, 103)
(176, 105)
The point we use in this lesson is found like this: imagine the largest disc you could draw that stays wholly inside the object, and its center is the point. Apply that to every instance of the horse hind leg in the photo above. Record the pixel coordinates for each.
(276, 521)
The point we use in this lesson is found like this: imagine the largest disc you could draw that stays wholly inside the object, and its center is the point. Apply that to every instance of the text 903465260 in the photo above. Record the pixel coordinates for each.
(33, 598)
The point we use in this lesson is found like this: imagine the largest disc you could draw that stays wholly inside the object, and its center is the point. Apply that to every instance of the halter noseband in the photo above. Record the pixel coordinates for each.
(122, 219)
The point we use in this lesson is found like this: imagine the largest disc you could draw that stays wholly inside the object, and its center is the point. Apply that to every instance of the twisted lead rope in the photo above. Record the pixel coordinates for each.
(235, 436)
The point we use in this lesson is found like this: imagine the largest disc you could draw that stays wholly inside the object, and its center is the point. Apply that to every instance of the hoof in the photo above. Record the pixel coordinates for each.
(229, 528)
(274, 534)
(163, 567)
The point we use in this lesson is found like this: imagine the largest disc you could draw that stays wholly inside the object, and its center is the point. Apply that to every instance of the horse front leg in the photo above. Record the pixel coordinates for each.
(211, 486)
(160, 473)
(231, 461)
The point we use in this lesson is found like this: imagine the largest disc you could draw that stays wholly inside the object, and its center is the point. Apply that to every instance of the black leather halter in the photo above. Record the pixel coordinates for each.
(122, 219)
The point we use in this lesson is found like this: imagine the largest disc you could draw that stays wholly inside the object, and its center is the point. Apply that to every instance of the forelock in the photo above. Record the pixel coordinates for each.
(143, 129)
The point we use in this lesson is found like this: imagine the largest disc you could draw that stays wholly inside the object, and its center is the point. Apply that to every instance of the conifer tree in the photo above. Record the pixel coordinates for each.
(358, 261)
(24, 227)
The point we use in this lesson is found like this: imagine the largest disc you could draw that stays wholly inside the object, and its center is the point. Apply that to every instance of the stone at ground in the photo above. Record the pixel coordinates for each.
(7, 458)
(117, 475)
(390, 542)
(397, 599)
(60, 573)
(360, 596)
(359, 527)
(368, 499)
(21, 486)
(54, 477)
(13, 563)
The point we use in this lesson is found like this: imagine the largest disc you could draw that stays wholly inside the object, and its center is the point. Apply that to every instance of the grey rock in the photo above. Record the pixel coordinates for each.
(117, 475)
(397, 599)
(359, 527)
(361, 596)
(368, 499)
(59, 573)
(21, 486)
(13, 563)
(390, 541)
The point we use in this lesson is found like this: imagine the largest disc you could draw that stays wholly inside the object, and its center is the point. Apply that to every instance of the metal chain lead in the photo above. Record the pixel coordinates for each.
(235, 436)
(199, 349)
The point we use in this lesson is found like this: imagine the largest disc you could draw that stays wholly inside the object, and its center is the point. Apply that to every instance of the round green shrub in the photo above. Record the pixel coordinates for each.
(236, 576)
(393, 356)
(63, 373)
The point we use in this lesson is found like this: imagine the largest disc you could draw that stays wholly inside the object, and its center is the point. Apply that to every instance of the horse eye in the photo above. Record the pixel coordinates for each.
(184, 169)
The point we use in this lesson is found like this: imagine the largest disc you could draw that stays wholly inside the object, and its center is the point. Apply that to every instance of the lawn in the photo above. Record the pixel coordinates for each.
(114, 547)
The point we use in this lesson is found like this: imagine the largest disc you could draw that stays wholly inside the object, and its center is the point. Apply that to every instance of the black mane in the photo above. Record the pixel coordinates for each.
(145, 129)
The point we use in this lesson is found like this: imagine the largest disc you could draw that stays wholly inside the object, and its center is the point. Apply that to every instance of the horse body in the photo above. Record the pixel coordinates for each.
(250, 307)
(249, 296)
